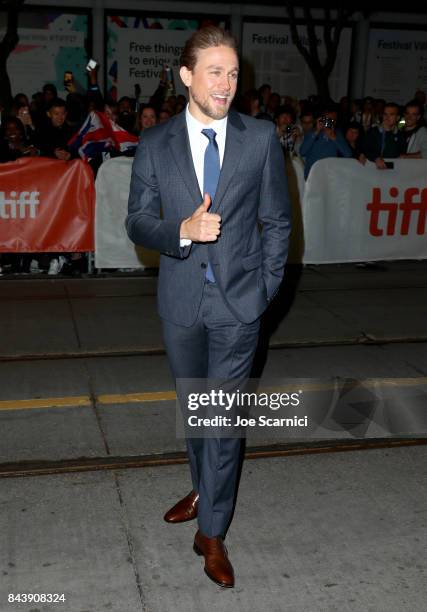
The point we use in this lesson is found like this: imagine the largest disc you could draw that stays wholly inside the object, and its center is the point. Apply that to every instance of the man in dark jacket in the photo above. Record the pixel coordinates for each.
(52, 138)
(385, 141)
(209, 192)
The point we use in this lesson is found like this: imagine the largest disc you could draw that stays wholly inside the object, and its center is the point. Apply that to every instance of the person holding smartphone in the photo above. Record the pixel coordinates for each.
(287, 131)
(23, 113)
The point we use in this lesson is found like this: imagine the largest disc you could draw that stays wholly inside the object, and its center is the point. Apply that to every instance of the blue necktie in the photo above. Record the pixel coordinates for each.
(211, 171)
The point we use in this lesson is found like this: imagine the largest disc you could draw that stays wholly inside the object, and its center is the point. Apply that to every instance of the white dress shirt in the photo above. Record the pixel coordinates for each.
(198, 144)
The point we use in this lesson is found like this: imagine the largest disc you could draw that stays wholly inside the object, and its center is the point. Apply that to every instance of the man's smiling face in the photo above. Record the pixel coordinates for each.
(212, 83)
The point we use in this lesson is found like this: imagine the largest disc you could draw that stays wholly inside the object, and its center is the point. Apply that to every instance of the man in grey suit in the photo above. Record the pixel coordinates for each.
(209, 192)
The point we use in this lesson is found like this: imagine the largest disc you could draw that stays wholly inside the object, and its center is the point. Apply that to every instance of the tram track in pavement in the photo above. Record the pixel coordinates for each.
(66, 466)
(33, 468)
(361, 340)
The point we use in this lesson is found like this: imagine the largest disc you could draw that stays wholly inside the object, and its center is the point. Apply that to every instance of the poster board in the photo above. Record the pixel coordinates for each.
(139, 45)
(269, 56)
(397, 64)
(50, 42)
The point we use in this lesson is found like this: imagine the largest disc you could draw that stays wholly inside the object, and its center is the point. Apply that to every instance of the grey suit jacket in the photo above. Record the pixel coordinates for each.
(252, 198)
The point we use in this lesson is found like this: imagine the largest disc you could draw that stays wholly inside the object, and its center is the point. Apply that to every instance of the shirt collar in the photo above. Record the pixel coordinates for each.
(194, 125)
(393, 131)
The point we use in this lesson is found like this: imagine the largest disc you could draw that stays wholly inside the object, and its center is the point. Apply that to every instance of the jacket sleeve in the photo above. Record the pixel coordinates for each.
(422, 145)
(274, 215)
(371, 144)
(307, 143)
(144, 223)
(342, 146)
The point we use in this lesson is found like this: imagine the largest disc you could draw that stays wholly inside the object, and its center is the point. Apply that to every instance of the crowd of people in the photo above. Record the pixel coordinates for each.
(369, 129)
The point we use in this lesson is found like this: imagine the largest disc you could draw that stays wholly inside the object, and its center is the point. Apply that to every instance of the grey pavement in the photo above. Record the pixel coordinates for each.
(342, 532)
(315, 532)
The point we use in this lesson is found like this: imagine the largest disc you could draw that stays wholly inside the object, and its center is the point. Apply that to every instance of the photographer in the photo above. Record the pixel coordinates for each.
(288, 132)
(324, 141)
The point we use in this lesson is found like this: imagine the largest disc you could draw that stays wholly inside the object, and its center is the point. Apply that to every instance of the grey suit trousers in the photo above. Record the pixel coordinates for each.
(216, 346)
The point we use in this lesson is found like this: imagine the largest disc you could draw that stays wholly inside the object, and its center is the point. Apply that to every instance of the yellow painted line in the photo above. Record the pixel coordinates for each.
(84, 400)
(131, 398)
(45, 402)
(164, 396)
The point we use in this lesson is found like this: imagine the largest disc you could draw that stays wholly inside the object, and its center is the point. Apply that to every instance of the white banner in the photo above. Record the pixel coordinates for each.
(397, 64)
(113, 249)
(350, 213)
(353, 212)
(269, 56)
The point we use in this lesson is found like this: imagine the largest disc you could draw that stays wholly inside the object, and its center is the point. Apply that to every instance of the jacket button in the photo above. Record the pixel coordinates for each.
(203, 265)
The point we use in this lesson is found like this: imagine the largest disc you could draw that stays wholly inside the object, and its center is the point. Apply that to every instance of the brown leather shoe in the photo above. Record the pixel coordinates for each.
(184, 510)
(217, 564)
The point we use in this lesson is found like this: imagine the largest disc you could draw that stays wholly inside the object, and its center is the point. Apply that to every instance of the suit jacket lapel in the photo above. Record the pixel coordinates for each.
(179, 145)
(234, 144)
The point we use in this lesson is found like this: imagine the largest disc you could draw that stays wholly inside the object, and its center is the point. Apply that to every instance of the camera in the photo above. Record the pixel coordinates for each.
(327, 122)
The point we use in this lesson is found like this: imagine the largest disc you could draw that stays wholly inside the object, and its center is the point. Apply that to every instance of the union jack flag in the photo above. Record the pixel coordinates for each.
(99, 134)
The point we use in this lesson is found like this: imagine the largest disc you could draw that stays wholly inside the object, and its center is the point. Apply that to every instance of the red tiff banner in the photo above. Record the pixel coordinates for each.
(46, 205)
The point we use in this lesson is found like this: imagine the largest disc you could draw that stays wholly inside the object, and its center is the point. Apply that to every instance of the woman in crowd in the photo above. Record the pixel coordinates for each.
(147, 117)
(13, 143)
(353, 135)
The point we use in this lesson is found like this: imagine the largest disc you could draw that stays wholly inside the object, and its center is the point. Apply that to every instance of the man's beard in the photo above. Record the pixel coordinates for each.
(213, 113)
